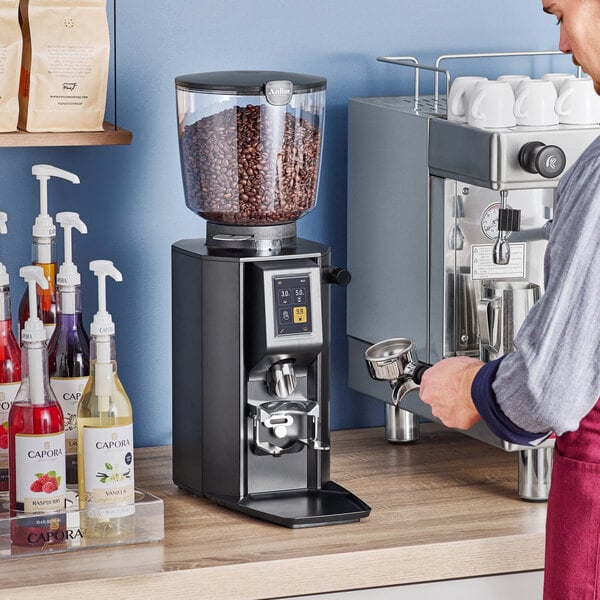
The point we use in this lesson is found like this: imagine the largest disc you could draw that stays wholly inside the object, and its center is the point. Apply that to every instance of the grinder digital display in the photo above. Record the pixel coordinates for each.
(292, 299)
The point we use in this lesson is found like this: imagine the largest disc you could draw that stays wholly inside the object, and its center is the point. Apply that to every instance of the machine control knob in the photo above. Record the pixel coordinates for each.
(336, 275)
(546, 160)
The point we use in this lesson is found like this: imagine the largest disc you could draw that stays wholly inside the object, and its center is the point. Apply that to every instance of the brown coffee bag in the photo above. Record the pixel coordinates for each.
(11, 45)
(64, 75)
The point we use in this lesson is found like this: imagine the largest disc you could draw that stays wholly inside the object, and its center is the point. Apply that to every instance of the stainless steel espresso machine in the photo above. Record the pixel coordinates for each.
(251, 302)
(447, 228)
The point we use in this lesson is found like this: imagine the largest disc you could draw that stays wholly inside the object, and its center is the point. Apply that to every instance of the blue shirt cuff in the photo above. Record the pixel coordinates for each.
(487, 406)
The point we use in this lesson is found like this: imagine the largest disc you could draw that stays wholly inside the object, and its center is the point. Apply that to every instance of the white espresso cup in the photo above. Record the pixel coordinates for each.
(491, 105)
(578, 103)
(514, 80)
(458, 97)
(557, 79)
(534, 103)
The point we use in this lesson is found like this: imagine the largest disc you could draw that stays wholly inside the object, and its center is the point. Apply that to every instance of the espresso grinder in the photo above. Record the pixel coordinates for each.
(251, 302)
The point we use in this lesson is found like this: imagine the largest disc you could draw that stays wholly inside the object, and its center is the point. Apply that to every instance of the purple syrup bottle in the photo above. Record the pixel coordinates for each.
(69, 346)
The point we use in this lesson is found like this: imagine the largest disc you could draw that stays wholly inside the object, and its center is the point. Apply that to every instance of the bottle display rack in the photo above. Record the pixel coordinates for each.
(149, 527)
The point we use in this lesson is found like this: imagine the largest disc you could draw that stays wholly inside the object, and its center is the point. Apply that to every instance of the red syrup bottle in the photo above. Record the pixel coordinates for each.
(10, 367)
(36, 437)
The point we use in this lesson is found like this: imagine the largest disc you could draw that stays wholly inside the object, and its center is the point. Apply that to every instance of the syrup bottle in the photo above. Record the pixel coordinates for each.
(10, 366)
(43, 251)
(36, 438)
(69, 346)
(105, 431)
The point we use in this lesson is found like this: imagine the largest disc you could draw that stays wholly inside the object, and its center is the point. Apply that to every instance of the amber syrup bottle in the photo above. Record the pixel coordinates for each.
(36, 440)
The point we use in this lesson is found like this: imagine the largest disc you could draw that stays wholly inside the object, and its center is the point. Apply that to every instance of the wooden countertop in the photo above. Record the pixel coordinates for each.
(446, 507)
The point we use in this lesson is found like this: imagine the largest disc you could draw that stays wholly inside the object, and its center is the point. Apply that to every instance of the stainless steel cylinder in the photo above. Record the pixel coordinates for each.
(535, 470)
(401, 426)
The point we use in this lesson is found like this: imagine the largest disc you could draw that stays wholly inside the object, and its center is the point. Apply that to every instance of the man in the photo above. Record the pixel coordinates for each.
(551, 382)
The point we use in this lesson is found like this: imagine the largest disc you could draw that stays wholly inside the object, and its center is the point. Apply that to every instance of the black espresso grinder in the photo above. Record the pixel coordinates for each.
(251, 302)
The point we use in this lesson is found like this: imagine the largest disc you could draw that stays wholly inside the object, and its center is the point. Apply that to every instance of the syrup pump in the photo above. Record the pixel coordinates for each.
(44, 249)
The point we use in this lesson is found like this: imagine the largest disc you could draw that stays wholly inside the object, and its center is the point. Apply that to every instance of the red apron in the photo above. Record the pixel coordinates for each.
(572, 568)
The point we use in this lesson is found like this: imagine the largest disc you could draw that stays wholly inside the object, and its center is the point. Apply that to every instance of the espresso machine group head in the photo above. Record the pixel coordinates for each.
(251, 302)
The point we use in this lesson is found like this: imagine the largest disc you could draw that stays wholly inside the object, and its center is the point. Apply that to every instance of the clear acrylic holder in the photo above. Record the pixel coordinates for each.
(148, 527)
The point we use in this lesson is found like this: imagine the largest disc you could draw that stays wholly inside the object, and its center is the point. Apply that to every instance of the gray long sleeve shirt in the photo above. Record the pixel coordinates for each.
(552, 378)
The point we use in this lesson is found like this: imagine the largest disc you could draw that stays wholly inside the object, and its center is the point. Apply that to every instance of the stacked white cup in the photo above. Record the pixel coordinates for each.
(534, 103)
(459, 97)
(519, 100)
(578, 103)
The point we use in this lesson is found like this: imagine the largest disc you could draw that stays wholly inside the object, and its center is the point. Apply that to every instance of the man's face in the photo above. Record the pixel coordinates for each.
(579, 32)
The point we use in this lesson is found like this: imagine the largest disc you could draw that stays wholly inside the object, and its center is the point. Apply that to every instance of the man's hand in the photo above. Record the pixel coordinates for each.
(446, 387)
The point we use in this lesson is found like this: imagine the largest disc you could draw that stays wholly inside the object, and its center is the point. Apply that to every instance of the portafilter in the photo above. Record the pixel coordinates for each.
(395, 360)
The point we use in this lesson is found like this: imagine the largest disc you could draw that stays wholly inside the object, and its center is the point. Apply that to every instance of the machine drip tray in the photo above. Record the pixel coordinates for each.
(331, 505)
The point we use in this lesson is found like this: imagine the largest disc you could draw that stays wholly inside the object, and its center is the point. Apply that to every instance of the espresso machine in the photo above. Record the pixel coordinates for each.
(251, 302)
(447, 228)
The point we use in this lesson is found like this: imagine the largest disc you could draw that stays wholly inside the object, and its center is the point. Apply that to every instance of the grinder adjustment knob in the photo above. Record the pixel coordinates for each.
(335, 275)
(546, 160)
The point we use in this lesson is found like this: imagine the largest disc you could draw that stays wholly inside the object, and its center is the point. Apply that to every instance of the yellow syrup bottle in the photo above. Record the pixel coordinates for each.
(105, 431)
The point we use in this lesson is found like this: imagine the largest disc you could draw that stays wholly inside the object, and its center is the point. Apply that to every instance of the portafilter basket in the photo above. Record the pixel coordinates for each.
(395, 360)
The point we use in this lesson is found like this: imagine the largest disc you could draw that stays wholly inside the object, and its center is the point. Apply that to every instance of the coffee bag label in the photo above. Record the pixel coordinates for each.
(11, 47)
(64, 77)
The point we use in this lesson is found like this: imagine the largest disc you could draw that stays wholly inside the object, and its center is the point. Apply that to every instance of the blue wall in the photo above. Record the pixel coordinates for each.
(131, 197)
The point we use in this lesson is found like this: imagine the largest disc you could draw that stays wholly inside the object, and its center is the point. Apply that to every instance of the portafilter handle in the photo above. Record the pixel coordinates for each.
(409, 382)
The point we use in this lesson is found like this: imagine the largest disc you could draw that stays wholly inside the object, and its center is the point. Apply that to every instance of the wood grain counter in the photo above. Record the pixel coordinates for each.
(446, 507)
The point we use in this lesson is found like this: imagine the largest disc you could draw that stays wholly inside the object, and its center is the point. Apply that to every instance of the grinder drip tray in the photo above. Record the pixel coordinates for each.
(330, 505)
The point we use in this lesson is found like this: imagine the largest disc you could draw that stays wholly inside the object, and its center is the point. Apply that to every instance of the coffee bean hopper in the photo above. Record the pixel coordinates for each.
(251, 302)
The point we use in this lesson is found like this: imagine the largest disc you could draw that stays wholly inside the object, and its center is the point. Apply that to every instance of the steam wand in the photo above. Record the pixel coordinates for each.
(509, 220)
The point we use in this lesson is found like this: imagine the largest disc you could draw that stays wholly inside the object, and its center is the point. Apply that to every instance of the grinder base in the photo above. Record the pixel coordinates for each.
(330, 505)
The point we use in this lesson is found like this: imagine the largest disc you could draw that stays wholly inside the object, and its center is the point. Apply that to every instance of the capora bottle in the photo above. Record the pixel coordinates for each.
(69, 346)
(105, 431)
(10, 366)
(36, 439)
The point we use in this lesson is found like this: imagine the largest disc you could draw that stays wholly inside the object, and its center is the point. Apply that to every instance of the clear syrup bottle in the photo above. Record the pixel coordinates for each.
(105, 431)
(69, 346)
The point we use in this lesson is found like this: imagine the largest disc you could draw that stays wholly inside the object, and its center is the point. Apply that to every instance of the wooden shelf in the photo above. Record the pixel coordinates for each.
(111, 136)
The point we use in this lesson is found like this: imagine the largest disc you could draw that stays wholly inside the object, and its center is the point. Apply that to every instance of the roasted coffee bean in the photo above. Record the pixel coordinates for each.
(237, 171)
